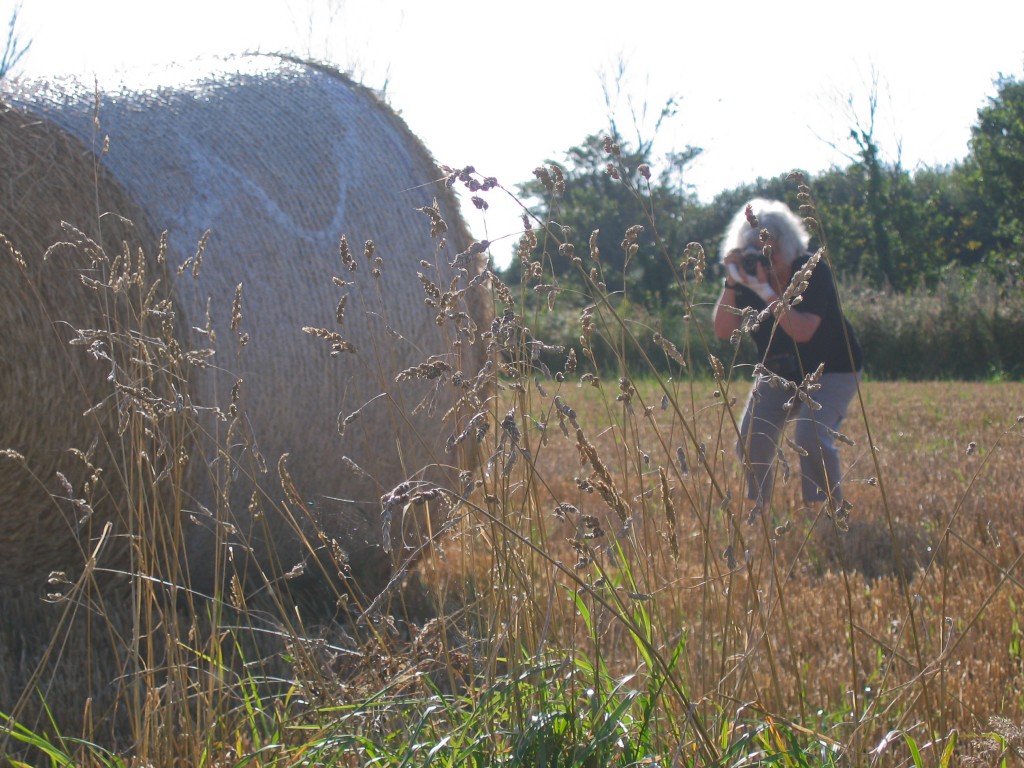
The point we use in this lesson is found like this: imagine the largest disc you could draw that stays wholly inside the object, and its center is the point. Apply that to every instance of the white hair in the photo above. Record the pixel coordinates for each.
(785, 227)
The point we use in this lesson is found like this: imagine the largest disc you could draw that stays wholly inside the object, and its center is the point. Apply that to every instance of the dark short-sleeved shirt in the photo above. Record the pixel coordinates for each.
(791, 360)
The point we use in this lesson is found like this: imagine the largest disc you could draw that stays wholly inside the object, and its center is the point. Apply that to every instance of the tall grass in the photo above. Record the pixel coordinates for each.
(598, 593)
(967, 326)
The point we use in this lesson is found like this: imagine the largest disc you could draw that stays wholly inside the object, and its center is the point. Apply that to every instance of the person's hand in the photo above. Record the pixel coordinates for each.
(734, 274)
(759, 283)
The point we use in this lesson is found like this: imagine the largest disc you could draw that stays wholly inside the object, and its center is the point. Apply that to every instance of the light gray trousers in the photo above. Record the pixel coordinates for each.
(764, 420)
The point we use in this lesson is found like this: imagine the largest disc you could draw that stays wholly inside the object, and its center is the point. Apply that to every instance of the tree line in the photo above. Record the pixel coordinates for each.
(891, 225)
(893, 235)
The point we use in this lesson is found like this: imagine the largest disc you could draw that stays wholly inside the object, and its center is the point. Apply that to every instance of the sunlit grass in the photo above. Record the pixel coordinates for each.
(597, 595)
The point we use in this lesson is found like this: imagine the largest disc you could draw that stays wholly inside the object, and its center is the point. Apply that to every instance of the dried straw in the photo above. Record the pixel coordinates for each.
(49, 177)
(277, 159)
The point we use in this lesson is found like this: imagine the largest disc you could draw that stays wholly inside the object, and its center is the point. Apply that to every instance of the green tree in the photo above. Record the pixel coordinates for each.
(875, 197)
(950, 228)
(997, 162)
(892, 226)
(607, 186)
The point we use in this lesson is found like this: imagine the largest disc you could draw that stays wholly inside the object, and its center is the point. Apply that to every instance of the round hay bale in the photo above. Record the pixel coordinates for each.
(275, 159)
(46, 386)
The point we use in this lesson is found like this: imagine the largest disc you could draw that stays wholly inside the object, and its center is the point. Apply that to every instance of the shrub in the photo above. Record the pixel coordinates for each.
(967, 327)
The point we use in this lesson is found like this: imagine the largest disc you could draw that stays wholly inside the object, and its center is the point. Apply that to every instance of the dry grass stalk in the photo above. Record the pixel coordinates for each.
(174, 416)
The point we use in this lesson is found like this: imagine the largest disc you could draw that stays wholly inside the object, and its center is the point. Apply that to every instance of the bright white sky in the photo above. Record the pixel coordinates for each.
(504, 86)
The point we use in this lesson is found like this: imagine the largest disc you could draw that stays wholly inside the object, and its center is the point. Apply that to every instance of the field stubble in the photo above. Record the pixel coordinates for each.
(903, 616)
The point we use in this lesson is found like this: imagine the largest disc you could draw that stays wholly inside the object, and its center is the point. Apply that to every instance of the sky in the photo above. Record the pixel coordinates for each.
(762, 88)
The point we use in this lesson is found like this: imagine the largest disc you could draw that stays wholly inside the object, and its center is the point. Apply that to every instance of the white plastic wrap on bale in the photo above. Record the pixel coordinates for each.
(278, 159)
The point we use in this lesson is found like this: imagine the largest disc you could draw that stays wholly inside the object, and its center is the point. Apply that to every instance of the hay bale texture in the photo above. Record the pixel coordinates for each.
(46, 386)
(277, 159)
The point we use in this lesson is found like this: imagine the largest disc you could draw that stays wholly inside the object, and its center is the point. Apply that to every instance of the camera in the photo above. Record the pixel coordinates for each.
(750, 258)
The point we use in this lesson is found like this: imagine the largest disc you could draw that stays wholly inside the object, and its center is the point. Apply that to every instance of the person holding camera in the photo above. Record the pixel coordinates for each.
(797, 327)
